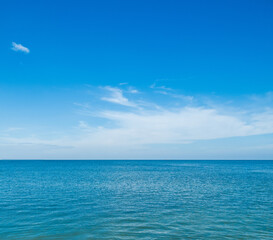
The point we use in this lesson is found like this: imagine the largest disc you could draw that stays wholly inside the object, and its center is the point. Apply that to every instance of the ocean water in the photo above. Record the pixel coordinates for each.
(136, 200)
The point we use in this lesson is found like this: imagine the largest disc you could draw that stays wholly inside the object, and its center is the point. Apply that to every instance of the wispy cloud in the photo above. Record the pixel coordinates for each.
(170, 92)
(154, 86)
(13, 129)
(19, 48)
(185, 124)
(153, 124)
(116, 96)
(185, 131)
(132, 90)
(149, 126)
(132, 133)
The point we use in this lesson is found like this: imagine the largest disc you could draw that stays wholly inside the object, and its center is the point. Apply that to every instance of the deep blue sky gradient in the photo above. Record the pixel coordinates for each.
(220, 51)
(198, 46)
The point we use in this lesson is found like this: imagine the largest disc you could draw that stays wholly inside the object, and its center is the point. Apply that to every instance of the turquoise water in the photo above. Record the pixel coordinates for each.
(136, 200)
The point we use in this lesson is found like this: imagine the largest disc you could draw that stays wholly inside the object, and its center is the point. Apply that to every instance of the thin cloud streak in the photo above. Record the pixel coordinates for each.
(19, 48)
(116, 96)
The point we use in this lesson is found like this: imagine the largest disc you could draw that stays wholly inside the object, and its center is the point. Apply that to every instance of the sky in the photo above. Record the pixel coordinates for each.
(136, 79)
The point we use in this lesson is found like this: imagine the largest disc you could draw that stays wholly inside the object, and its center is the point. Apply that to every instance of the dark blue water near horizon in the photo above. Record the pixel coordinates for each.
(136, 199)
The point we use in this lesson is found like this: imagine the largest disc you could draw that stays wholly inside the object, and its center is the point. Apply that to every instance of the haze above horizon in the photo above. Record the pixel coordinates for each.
(136, 79)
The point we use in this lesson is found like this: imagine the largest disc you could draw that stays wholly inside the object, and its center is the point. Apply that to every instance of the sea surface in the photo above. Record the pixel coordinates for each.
(136, 200)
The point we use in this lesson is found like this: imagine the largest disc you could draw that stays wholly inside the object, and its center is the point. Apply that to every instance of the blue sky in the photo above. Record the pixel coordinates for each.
(136, 79)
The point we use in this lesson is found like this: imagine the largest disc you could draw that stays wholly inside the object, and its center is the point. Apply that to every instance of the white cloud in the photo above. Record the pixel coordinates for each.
(170, 92)
(177, 126)
(116, 96)
(19, 47)
(154, 86)
(185, 98)
(132, 90)
(182, 125)
(137, 133)
(150, 131)
(13, 129)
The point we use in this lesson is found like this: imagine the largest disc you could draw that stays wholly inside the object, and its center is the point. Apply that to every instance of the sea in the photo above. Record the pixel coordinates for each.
(136, 200)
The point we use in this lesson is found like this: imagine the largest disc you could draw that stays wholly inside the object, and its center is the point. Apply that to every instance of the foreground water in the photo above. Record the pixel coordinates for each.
(136, 200)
